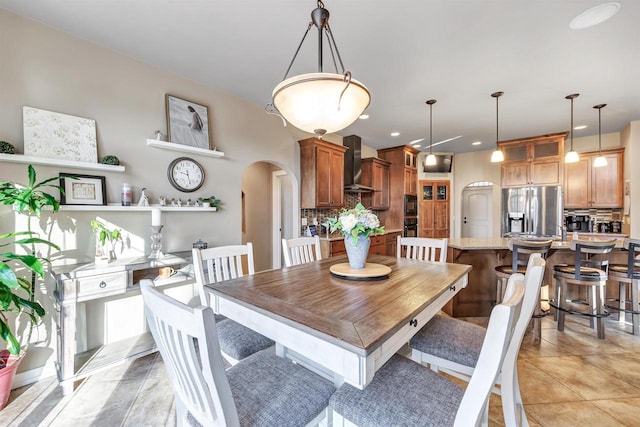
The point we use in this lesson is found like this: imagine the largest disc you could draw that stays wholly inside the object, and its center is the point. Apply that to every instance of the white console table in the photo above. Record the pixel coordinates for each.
(76, 284)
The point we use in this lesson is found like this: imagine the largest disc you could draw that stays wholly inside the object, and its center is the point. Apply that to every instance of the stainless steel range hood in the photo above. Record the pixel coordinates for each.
(353, 165)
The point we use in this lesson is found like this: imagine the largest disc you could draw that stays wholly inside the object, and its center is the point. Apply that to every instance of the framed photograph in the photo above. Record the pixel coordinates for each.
(82, 189)
(188, 123)
(59, 136)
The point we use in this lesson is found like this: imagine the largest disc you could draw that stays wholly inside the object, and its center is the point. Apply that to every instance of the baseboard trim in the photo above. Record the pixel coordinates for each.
(33, 375)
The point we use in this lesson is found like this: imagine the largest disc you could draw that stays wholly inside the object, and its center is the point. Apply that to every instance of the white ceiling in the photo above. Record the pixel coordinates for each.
(405, 51)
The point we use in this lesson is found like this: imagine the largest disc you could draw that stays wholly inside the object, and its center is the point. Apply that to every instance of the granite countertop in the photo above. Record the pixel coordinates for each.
(468, 243)
(337, 236)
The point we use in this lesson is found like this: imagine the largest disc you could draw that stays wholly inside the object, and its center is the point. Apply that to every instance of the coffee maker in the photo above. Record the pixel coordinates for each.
(579, 223)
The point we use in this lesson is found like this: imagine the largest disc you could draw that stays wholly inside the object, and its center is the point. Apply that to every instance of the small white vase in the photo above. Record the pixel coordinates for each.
(357, 251)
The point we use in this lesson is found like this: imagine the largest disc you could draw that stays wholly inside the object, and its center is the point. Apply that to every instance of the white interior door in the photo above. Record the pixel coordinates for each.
(477, 212)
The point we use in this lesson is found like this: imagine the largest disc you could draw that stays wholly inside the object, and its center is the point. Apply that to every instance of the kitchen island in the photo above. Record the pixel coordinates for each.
(484, 254)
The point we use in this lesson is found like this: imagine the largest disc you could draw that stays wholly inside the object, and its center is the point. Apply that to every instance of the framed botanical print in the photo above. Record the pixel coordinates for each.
(188, 123)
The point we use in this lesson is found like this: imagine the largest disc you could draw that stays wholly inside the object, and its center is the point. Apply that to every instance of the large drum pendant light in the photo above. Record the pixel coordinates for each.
(320, 102)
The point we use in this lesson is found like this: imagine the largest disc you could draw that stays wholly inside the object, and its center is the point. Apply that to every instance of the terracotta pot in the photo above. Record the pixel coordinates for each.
(9, 363)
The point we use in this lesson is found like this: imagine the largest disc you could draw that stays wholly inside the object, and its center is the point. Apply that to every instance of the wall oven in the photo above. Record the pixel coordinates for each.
(410, 205)
(410, 227)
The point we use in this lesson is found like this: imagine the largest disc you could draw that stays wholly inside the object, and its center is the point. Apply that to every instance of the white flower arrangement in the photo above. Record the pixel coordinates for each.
(355, 222)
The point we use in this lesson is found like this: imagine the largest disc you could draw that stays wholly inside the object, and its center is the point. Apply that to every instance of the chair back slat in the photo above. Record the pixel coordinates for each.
(301, 250)
(222, 263)
(492, 354)
(198, 378)
(522, 249)
(422, 248)
(592, 254)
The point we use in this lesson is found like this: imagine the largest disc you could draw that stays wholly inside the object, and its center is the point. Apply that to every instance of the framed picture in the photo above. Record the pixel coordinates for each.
(59, 136)
(82, 189)
(188, 123)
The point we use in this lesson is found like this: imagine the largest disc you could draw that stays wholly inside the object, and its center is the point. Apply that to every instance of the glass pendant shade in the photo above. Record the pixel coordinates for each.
(599, 161)
(497, 156)
(312, 102)
(571, 157)
(431, 160)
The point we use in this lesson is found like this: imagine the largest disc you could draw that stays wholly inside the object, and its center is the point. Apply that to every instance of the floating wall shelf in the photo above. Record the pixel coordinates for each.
(120, 208)
(72, 164)
(183, 148)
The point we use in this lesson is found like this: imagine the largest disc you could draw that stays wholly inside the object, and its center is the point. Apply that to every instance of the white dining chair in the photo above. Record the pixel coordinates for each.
(422, 248)
(262, 390)
(409, 394)
(217, 264)
(301, 250)
(453, 345)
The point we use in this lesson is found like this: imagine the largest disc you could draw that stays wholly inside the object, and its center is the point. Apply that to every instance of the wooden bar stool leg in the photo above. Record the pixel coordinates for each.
(593, 306)
(635, 315)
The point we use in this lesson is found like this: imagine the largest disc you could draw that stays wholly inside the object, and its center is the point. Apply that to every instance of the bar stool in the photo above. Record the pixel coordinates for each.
(628, 275)
(589, 270)
(520, 249)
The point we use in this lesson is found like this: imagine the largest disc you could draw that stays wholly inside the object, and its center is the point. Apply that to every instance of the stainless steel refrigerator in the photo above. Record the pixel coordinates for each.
(532, 211)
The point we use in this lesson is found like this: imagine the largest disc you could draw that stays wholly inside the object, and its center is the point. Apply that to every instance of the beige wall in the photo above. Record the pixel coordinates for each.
(47, 69)
(630, 140)
(256, 186)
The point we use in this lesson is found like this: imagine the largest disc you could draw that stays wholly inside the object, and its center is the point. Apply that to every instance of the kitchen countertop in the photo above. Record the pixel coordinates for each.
(468, 243)
(337, 236)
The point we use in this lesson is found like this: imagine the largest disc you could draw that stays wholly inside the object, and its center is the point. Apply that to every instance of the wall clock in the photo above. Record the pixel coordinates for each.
(185, 174)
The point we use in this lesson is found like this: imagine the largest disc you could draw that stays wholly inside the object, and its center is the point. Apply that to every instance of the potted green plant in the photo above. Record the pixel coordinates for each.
(17, 293)
(210, 201)
(104, 235)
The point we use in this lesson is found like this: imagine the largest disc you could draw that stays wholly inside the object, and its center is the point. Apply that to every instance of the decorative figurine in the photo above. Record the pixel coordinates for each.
(188, 203)
(144, 199)
(173, 202)
(158, 135)
(162, 201)
(179, 202)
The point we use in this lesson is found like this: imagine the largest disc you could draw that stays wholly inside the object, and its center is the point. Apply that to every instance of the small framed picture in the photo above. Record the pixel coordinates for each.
(83, 189)
(188, 123)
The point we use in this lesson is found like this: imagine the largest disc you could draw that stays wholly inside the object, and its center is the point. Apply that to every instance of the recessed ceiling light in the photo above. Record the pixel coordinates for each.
(395, 133)
(476, 143)
(363, 116)
(595, 15)
(415, 141)
(416, 145)
(580, 127)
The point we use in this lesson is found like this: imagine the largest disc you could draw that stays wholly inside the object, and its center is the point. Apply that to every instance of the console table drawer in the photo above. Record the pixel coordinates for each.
(90, 287)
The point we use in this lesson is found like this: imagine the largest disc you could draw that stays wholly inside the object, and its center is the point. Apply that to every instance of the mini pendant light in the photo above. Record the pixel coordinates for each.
(431, 158)
(497, 155)
(601, 160)
(572, 155)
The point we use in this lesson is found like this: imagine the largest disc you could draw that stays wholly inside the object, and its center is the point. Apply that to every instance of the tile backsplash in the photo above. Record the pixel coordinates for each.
(350, 202)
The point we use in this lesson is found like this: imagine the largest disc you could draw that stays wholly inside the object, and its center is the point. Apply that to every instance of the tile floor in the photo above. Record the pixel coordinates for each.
(569, 379)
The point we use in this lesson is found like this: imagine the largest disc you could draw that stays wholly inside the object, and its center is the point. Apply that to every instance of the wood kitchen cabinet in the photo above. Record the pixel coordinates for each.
(378, 245)
(586, 186)
(434, 209)
(536, 160)
(375, 174)
(403, 179)
(321, 174)
(392, 243)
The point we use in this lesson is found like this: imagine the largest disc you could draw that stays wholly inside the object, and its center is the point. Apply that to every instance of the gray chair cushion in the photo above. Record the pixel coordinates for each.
(402, 393)
(622, 270)
(219, 318)
(586, 273)
(271, 391)
(450, 339)
(239, 341)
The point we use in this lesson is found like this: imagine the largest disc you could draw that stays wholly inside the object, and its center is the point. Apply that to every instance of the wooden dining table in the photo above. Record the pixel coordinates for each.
(342, 329)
